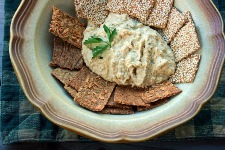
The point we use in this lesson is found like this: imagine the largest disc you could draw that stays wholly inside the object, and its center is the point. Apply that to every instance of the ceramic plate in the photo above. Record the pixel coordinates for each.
(31, 48)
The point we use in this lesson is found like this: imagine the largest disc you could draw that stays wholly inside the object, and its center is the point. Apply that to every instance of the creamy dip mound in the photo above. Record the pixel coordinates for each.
(138, 56)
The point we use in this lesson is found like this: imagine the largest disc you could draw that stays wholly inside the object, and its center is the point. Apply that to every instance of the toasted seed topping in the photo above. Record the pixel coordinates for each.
(66, 27)
(186, 70)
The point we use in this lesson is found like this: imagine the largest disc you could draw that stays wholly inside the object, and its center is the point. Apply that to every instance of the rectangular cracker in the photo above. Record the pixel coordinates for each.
(129, 96)
(94, 93)
(70, 90)
(118, 6)
(140, 9)
(63, 75)
(66, 27)
(66, 56)
(78, 9)
(186, 70)
(159, 16)
(153, 104)
(117, 111)
(175, 21)
(185, 42)
(160, 91)
(95, 11)
(77, 81)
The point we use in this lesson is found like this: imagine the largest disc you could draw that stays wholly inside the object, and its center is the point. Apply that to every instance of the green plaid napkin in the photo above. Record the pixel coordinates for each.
(20, 121)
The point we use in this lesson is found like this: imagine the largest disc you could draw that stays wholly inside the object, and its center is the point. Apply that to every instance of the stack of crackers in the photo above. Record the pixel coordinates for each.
(93, 92)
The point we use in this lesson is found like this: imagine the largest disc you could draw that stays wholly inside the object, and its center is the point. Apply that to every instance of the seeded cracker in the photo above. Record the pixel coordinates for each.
(118, 6)
(117, 111)
(160, 13)
(188, 16)
(70, 90)
(185, 42)
(153, 105)
(77, 80)
(93, 10)
(63, 75)
(160, 91)
(129, 96)
(66, 55)
(186, 70)
(78, 9)
(112, 103)
(140, 9)
(94, 93)
(67, 28)
(175, 22)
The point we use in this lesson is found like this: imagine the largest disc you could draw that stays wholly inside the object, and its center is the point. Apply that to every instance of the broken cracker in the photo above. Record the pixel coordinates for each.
(140, 9)
(160, 91)
(175, 21)
(77, 80)
(185, 42)
(129, 96)
(186, 70)
(94, 92)
(63, 75)
(70, 90)
(65, 55)
(117, 111)
(95, 11)
(153, 104)
(112, 103)
(159, 16)
(67, 28)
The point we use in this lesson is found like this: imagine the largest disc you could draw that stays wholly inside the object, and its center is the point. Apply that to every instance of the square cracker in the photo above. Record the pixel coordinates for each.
(159, 16)
(129, 96)
(77, 80)
(117, 111)
(118, 6)
(140, 9)
(175, 21)
(185, 42)
(94, 93)
(66, 27)
(92, 10)
(160, 91)
(65, 55)
(153, 104)
(63, 75)
(186, 70)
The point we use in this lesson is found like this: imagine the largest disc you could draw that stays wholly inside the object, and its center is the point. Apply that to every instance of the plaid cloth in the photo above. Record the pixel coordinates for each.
(20, 121)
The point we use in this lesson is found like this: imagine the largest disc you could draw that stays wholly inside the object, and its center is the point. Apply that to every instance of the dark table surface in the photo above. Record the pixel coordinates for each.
(211, 144)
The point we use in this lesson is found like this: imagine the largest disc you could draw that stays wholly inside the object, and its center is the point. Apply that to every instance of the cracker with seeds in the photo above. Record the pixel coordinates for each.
(153, 104)
(118, 6)
(185, 42)
(129, 96)
(67, 28)
(188, 16)
(112, 103)
(70, 90)
(160, 91)
(95, 11)
(94, 92)
(63, 75)
(175, 21)
(77, 80)
(140, 9)
(117, 111)
(78, 8)
(159, 16)
(186, 70)
(66, 56)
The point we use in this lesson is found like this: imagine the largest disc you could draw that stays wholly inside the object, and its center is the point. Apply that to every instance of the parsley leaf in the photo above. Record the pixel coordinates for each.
(99, 49)
(95, 40)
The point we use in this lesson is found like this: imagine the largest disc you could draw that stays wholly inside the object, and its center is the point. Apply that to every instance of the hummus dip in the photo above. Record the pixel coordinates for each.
(138, 56)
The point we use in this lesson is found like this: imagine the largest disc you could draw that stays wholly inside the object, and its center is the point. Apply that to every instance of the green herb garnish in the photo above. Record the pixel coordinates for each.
(103, 44)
